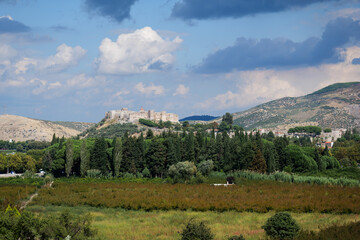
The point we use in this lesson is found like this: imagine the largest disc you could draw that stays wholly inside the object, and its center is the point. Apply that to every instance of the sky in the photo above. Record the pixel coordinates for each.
(76, 60)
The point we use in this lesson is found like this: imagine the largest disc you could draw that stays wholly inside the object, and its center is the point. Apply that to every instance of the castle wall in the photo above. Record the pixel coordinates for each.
(126, 116)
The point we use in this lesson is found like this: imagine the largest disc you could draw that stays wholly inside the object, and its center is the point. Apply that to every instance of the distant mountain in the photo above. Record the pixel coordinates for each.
(198, 118)
(22, 128)
(335, 106)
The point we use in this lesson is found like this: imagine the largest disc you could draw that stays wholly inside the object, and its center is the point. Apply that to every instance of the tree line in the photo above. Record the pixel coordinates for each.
(152, 155)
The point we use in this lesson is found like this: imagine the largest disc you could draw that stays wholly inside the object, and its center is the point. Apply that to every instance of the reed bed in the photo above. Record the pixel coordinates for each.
(251, 196)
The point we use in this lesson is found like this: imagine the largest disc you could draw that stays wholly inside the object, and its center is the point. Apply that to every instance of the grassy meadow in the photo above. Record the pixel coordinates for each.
(117, 223)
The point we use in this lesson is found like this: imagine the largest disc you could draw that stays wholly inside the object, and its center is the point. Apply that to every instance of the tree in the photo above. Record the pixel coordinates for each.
(99, 158)
(69, 157)
(156, 158)
(281, 226)
(189, 154)
(196, 231)
(117, 156)
(227, 118)
(149, 134)
(258, 164)
(84, 159)
(182, 171)
(205, 167)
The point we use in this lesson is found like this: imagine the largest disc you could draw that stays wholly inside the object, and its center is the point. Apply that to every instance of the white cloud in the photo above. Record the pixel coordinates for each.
(181, 90)
(82, 81)
(141, 51)
(149, 90)
(6, 52)
(259, 86)
(64, 58)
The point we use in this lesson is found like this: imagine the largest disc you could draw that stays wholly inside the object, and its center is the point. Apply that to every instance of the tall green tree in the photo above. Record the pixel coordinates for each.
(156, 158)
(189, 150)
(84, 159)
(117, 156)
(99, 158)
(69, 157)
(258, 164)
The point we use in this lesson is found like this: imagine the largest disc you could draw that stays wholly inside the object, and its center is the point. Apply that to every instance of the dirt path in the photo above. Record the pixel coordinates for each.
(32, 196)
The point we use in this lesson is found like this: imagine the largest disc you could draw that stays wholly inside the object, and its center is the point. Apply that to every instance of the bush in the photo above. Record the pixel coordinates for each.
(241, 237)
(182, 171)
(281, 226)
(196, 231)
(94, 173)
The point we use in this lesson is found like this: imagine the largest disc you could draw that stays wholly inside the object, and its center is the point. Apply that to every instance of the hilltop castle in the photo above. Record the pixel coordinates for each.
(127, 116)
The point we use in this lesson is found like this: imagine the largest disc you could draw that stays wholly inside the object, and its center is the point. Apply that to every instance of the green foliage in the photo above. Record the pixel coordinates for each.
(111, 131)
(99, 159)
(182, 171)
(93, 173)
(146, 172)
(281, 226)
(334, 232)
(117, 156)
(306, 129)
(69, 157)
(205, 167)
(148, 123)
(84, 159)
(196, 231)
(26, 225)
(327, 130)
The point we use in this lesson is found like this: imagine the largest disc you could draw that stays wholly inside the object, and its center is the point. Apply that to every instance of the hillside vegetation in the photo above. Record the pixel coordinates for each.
(335, 106)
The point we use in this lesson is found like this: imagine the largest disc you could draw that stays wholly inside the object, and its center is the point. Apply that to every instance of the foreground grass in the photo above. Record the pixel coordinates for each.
(114, 223)
(251, 196)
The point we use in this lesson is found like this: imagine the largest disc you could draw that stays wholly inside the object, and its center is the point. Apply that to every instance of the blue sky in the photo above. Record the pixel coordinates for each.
(75, 60)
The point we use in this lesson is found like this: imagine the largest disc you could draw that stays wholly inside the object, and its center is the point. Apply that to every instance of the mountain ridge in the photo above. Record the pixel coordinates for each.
(334, 106)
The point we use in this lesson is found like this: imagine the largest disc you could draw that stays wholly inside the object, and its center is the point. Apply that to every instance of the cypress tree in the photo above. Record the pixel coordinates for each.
(156, 158)
(117, 156)
(258, 164)
(69, 157)
(84, 159)
(189, 154)
(99, 159)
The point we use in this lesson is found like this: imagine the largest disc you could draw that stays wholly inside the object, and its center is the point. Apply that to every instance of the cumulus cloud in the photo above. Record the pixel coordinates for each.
(9, 25)
(249, 54)
(181, 90)
(259, 86)
(214, 9)
(114, 9)
(141, 51)
(149, 90)
(64, 58)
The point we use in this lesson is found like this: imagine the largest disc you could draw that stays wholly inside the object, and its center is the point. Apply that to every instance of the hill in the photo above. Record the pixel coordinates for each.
(22, 129)
(335, 106)
(198, 118)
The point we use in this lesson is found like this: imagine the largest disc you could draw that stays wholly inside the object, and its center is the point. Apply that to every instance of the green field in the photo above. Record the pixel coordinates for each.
(115, 223)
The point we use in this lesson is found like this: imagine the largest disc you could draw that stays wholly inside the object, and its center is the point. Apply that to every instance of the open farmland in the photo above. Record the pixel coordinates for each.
(251, 196)
(11, 194)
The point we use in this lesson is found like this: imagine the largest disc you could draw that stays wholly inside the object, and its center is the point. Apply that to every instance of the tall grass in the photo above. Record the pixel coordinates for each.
(114, 223)
(289, 178)
(253, 196)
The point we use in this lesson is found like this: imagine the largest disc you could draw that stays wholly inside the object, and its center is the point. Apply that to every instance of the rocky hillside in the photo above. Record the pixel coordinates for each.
(21, 129)
(335, 106)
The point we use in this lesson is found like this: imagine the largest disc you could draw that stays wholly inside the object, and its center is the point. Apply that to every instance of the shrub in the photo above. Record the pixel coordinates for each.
(146, 172)
(281, 226)
(241, 237)
(196, 231)
(182, 171)
(93, 173)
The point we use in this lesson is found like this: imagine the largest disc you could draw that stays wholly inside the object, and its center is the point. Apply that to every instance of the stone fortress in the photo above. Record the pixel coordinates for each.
(127, 116)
